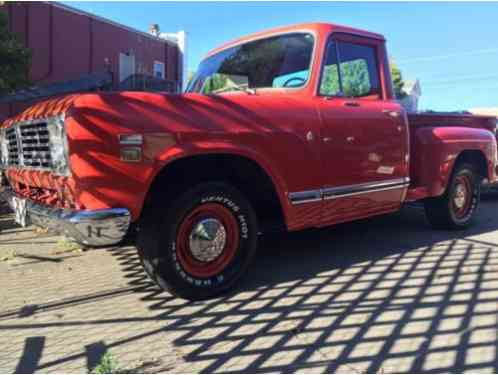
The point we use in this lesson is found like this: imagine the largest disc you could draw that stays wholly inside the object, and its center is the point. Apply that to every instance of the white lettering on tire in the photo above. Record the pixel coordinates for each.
(224, 200)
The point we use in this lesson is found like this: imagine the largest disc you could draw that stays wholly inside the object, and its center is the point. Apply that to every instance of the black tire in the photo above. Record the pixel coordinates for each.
(168, 258)
(444, 213)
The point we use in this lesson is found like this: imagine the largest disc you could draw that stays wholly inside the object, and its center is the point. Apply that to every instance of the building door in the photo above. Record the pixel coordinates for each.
(126, 66)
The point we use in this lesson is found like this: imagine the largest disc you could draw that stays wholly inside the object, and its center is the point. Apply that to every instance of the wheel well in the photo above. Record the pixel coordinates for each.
(241, 172)
(475, 158)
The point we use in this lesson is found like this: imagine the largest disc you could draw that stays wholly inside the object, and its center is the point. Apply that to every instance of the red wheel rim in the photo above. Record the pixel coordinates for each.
(462, 196)
(208, 256)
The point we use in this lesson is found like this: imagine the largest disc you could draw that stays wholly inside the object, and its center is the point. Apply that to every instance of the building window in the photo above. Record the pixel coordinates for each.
(159, 69)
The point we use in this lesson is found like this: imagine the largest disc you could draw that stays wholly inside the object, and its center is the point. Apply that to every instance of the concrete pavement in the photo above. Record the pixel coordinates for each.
(382, 295)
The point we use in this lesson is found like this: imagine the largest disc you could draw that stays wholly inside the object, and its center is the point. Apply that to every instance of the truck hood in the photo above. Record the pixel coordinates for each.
(100, 102)
(129, 109)
(44, 109)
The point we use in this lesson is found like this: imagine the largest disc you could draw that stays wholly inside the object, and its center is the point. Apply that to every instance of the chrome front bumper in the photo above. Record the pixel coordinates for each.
(88, 227)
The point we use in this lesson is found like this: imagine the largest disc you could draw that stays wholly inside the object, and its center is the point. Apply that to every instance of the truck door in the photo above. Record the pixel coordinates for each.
(364, 137)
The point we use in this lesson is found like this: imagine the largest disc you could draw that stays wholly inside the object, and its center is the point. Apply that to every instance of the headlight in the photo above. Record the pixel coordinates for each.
(58, 145)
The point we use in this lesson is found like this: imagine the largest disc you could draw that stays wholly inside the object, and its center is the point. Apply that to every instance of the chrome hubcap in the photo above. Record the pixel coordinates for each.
(459, 196)
(207, 240)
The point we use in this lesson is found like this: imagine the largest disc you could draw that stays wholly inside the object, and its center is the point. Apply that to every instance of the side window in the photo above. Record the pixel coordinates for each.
(357, 75)
(359, 71)
(330, 86)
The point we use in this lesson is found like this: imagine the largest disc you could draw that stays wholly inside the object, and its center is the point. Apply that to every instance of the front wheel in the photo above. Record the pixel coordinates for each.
(457, 207)
(200, 244)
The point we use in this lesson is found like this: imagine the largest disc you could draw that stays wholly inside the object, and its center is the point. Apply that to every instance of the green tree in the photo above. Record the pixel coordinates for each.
(330, 81)
(397, 79)
(215, 82)
(354, 75)
(355, 79)
(15, 58)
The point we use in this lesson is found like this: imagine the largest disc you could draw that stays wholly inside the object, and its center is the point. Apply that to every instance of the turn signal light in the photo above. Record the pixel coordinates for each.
(131, 154)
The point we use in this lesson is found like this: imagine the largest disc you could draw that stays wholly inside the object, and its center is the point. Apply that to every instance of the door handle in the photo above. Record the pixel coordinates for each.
(351, 104)
(390, 113)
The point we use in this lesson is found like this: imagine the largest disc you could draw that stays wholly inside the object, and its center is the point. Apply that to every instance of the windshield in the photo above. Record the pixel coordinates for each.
(281, 61)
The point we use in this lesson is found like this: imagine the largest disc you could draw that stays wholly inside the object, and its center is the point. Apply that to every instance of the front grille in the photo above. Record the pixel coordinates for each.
(12, 146)
(35, 145)
(28, 145)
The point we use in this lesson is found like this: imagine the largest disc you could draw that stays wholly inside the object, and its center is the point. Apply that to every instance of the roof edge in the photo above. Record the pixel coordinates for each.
(311, 26)
(108, 21)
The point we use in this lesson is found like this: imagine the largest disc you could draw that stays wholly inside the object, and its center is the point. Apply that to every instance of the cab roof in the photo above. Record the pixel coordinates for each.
(316, 27)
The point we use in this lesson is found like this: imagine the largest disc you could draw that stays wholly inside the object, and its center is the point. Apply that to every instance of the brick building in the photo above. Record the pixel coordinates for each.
(67, 44)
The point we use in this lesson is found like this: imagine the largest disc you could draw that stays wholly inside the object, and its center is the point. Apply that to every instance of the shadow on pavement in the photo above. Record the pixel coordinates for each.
(387, 294)
(381, 295)
(30, 357)
(6, 219)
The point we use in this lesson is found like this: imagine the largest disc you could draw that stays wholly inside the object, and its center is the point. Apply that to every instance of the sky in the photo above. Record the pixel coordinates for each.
(452, 48)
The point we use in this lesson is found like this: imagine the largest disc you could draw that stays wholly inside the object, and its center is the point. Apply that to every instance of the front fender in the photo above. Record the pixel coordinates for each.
(220, 147)
(436, 149)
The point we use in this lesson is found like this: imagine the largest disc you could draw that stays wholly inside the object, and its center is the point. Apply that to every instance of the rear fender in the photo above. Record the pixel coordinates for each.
(436, 150)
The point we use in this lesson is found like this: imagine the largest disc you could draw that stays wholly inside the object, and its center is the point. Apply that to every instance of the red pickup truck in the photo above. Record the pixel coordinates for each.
(296, 127)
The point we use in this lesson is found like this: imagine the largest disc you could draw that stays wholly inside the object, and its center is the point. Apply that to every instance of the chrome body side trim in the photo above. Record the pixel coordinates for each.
(347, 191)
(305, 196)
(352, 190)
(88, 227)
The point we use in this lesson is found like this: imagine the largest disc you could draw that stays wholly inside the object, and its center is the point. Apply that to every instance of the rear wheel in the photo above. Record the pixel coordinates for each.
(200, 244)
(456, 208)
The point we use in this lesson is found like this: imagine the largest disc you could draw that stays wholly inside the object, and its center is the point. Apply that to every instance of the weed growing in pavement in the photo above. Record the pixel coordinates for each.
(9, 256)
(107, 365)
(66, 245)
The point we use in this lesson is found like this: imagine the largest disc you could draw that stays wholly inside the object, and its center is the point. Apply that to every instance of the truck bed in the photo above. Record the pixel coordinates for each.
(423, 157)
(417, 120)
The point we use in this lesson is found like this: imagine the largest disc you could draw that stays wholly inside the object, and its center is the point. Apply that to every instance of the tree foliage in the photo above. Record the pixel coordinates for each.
(397, 79)
(15, 58)
(355, 79)
(214, 83)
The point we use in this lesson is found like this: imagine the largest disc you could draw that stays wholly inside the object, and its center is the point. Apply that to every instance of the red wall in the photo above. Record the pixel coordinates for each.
(66, 44)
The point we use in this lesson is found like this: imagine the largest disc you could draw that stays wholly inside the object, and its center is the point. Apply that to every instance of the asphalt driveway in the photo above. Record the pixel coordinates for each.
(381, 295)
